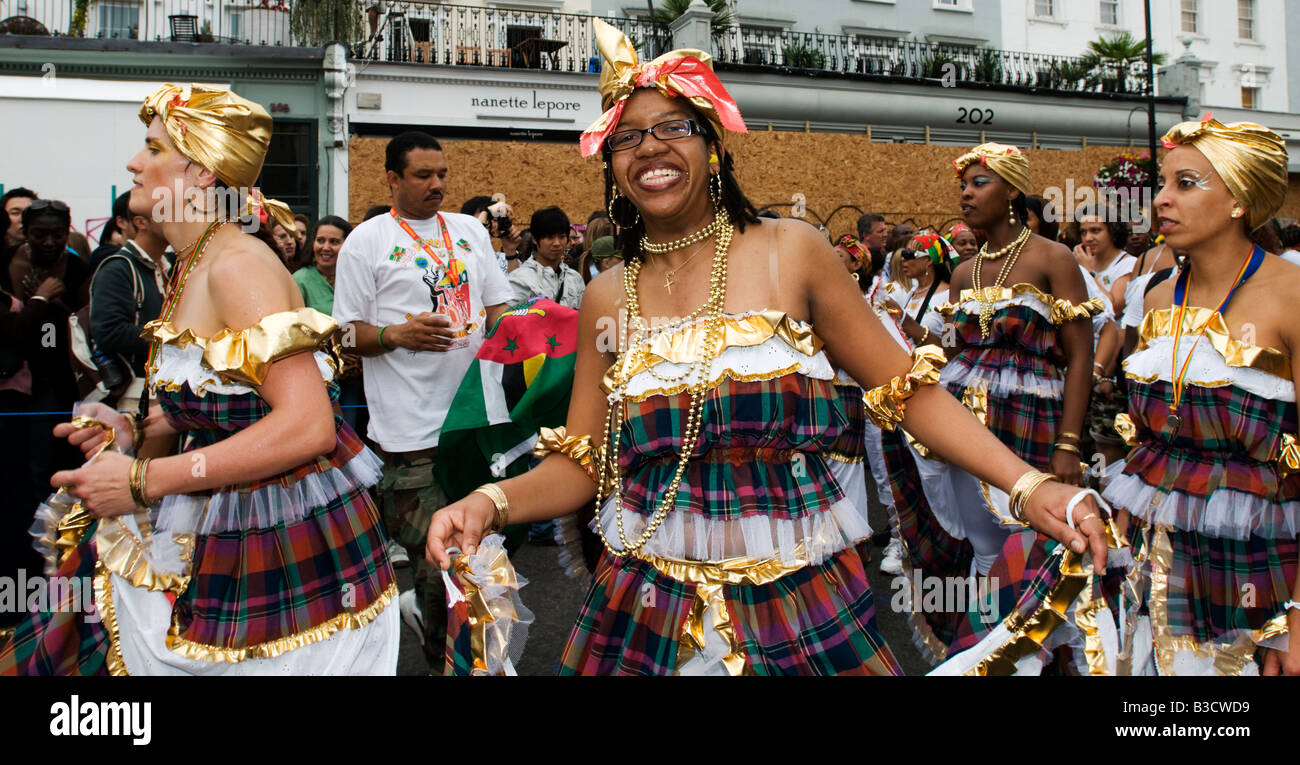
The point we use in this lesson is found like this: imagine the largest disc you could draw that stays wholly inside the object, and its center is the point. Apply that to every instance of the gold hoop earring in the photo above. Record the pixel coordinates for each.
(614, 218)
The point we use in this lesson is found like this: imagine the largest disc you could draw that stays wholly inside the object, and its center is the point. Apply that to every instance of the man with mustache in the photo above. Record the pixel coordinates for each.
(414, 291)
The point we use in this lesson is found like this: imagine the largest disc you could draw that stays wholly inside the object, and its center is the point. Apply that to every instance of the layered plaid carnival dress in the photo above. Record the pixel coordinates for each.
(1013, 381)
(1216, 508)
(285, 575)
(753, 570)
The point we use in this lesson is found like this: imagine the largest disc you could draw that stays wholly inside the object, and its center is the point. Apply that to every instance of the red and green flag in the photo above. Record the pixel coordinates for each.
(519, 382)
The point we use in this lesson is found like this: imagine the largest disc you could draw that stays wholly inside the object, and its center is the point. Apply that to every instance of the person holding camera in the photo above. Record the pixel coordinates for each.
(495, 217)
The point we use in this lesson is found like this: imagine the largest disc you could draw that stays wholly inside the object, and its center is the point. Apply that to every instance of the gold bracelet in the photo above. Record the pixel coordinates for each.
(1068, 434)
(925, 336)
(499, 501)
(1021, 491)
(1066, 448)
(136, 480)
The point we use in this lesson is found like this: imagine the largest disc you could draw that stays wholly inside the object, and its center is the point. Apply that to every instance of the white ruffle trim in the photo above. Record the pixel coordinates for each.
(568, 538)
(1207, 369)
(1003, 381)
(1227, 514)
(746, 362)
(177, 366)
(688, 536)
(268, 506)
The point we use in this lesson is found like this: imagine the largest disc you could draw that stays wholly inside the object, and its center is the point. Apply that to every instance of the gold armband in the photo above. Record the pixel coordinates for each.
(1126, 429)
(576, 448)
(1288, 461)
(886, 404)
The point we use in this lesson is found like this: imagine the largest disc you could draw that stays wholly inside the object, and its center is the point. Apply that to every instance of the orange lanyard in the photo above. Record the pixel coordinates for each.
(446, 238)
(1248, 267)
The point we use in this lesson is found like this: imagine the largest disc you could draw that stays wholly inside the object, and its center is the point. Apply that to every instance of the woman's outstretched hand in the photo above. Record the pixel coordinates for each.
(461, 524)
(1046, 513)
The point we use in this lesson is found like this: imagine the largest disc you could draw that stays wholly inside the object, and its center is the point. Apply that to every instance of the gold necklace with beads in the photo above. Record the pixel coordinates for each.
(986, 306)
(984, 253)
(607, 455)
(661, 248)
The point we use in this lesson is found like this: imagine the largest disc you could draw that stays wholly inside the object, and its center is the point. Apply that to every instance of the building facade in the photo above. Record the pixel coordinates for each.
(1242, 45)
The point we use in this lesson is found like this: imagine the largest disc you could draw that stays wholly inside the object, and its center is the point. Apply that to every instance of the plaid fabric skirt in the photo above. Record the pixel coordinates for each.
(818, 620)
(66, 638)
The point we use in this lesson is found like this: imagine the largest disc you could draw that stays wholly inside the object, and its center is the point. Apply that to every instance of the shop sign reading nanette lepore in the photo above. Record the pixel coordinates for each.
(532, 105)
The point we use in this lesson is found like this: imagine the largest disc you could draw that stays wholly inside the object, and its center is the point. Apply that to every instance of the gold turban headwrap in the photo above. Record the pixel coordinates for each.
(1006, 161)
(684, 72)
(1250, 158)
(214, 128)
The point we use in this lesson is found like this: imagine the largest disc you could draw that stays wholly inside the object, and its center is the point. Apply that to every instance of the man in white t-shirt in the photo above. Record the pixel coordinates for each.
(415, 290)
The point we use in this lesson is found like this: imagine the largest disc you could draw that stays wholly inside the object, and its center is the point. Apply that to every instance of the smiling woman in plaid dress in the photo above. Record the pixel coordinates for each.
(729, 546)
(256, 550)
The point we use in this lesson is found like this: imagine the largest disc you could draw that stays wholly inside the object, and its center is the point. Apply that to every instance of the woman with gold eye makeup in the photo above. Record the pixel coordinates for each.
(729, 546)
(1211, 483)
(255, 549)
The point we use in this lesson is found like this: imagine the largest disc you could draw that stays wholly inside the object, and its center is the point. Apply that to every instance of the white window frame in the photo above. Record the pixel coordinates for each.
(125, 5)
(1250, 4)
(1194, 12)
(1102, 5)
(1052, 9)
(958, 6)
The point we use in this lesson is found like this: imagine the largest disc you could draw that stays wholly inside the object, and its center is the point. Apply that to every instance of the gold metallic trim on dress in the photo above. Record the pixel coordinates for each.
(102, 585)
(841, 457)
(937, 648)
(1159, 323)
(244, 356)
(484, 612)
(682, 345)
(1029, 633)
(709, 606)
(123, 554)
(576, 448)
(887, 403)
(1061, 310)
(273, 648)
(726, 374)
(1229, 658)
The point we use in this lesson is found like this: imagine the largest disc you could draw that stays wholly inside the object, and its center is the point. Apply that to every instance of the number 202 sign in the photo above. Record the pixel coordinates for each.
(974, 116)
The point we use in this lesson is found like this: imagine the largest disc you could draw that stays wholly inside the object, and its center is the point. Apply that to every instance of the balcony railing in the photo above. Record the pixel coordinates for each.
(847, 54)
(405, 30)
(417, 31)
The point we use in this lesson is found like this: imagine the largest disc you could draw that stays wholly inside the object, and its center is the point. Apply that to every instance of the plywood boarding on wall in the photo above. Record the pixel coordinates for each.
(834, 176)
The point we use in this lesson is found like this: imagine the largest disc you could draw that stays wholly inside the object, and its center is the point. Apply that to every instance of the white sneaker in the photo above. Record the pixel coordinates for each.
(892, 563)
(397, 554)
(412, 616)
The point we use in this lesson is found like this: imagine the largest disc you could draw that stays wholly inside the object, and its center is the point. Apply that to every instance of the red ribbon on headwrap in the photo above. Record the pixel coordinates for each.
(674, 73)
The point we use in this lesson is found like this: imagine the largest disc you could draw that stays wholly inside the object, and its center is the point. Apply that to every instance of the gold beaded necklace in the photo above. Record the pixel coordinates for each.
(986, 305)
(607, 455)
(662, 248)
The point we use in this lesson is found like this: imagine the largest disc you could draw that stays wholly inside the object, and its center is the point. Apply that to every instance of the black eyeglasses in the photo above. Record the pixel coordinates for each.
(53, 204)
(914, 254)
(664, 131)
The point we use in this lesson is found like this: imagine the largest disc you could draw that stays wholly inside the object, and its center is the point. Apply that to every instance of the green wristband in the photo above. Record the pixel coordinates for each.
(381, 339)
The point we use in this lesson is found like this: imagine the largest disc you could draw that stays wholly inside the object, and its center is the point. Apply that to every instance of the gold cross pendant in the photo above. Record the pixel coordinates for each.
(668, 283)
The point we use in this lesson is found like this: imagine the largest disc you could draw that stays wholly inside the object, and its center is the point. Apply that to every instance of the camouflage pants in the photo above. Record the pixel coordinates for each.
(408, 497)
